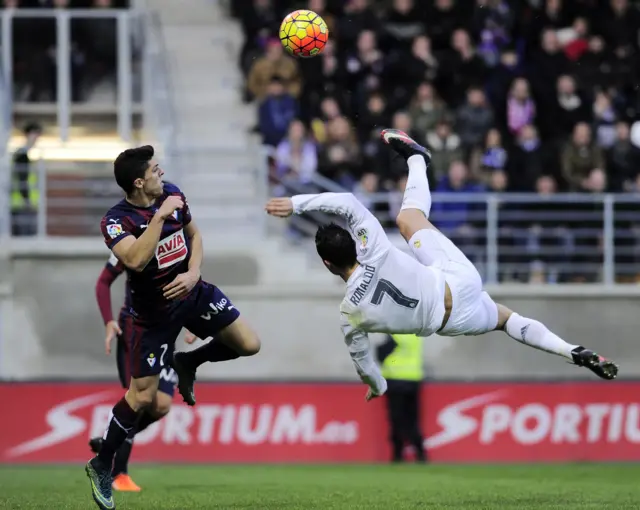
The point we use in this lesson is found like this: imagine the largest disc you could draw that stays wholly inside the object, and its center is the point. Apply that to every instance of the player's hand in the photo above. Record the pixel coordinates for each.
(171, 204)
(371, 395)
(189, 337)
(280, 207)
(112, 331)
(181, 286)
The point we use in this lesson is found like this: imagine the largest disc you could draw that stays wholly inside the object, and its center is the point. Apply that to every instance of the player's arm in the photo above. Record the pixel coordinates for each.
(185, 282)
(103, 290)
(362, 357)
(109, 273)
(197, 250)
(363, 225)
(135, 253)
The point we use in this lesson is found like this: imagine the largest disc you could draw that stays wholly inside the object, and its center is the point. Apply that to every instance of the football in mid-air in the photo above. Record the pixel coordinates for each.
(304, 34)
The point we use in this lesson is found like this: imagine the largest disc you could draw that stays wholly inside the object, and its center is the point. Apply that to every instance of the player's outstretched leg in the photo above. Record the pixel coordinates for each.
(235, 340)
(99, 474)
(535, 334)
(416, 202)
(122, 482)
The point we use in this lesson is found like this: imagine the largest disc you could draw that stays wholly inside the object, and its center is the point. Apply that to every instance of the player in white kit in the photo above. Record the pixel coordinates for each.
(388, 291)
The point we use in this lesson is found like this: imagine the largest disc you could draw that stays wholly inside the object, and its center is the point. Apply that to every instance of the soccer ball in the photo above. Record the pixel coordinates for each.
(304, 34)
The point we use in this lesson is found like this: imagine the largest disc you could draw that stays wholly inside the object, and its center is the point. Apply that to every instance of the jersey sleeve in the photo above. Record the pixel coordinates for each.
(114, 266)
(114, 229)
(371, 239)
(362, 357)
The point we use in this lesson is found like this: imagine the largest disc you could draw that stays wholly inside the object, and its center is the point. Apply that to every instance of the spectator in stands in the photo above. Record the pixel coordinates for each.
(575, 39)
(549, 243)
(619, 25)
(604, 116)
(493, 22)
(474, 119)
(358, 17)
(339, 157)
(494, 156)
(364, 68)
(464, 67)
(548, 64)
(276, 112)
(571, 107)
(529, 160)
(402, 121)
(622, 161)
(445, 146)
(521, 109)
(442, 19)
(373, 119)
(259, 21)
(426, 110)
(402, 24)
(500, 79)
(368, 185)
(274, 64)
(25, 190)
(408, 70)
(580, 157)
(329, 110)
(456, 219)
(296, 157)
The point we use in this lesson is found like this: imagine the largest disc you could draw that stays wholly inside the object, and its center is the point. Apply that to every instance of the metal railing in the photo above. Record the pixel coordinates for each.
(72, 196)
(160, 118)
(125, 20)
(563, 238)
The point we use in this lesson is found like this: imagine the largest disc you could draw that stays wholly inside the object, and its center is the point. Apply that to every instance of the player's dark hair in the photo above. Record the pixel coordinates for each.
(131, 165)
(335, 245)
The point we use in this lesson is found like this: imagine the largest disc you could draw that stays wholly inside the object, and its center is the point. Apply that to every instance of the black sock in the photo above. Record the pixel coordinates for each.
(213, 351)
(145, 420)
(122, 422)
(121, 460)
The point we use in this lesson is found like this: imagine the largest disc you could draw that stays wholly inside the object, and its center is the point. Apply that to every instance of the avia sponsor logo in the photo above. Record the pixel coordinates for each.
(239, 425)
(171, 250)
(486, 421)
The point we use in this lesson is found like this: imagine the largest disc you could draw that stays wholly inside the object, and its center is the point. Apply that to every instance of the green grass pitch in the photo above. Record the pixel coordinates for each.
(352, 487)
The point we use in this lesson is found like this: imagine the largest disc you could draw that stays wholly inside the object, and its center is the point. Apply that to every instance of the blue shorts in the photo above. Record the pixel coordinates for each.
(205, 312)
(168, 376)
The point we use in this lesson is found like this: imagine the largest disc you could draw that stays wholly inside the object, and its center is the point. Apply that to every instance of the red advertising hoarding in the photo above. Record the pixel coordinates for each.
(273, 422)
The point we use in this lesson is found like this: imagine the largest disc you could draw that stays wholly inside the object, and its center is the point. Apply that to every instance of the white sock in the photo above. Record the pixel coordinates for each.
(417, 194)
(535, 334)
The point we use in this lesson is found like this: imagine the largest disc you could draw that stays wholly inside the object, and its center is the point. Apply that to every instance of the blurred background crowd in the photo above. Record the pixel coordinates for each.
(93, 50)
(519, 96)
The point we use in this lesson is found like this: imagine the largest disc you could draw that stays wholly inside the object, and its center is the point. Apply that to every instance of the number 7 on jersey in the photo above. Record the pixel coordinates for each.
(386, 287)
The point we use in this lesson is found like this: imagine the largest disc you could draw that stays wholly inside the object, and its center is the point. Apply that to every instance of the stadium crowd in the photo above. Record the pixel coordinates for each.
(532, 96)
(93, 50)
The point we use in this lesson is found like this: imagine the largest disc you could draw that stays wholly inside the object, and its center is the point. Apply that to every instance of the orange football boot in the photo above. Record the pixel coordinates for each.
(124, 483)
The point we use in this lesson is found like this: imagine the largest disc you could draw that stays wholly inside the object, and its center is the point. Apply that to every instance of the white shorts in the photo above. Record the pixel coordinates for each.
(473, 311)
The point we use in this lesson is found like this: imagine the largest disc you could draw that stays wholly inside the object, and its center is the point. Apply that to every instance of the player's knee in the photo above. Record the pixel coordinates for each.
(404, 224)
(141, 398)
(250, 346)
(503, 316)
(410, 221)
(162, 408)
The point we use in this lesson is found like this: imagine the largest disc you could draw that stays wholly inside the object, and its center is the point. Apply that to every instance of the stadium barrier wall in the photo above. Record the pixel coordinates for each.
(314, 423)
(53, 328)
